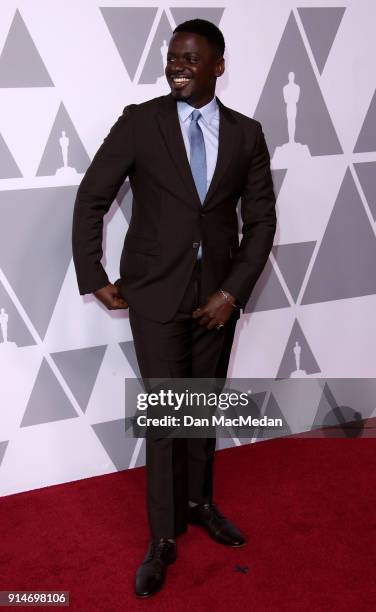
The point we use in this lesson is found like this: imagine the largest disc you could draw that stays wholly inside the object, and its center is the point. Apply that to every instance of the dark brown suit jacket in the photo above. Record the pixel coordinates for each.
(168, 221)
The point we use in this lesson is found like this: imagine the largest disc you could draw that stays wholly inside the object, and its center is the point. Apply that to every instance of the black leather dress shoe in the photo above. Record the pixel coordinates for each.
(218, 527)
(151, 573)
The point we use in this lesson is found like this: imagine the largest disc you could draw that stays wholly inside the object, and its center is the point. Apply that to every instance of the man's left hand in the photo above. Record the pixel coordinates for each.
(216, 311)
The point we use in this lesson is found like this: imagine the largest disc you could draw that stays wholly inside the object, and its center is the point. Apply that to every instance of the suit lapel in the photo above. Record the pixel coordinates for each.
(171, 131)
(228, 142)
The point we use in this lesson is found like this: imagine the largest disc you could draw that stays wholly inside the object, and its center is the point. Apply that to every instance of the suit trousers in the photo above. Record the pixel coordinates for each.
(179, 470)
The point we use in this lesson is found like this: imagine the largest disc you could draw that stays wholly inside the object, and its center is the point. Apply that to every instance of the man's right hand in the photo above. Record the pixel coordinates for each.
(110, 297)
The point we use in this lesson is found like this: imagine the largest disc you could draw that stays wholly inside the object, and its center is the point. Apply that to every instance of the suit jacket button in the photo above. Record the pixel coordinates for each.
(196, 245)
(202, 215)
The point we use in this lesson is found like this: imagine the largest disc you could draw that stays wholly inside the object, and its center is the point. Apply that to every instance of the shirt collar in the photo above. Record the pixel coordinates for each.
(208, 111)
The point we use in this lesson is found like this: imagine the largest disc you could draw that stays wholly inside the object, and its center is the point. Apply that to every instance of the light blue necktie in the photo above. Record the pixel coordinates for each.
(197, 159)
(197, 154)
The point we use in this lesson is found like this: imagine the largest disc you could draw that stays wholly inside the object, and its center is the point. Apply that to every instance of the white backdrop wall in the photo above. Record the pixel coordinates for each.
(67, 69)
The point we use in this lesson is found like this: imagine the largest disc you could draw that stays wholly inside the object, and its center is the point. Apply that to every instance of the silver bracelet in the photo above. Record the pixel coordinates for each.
(225, 295)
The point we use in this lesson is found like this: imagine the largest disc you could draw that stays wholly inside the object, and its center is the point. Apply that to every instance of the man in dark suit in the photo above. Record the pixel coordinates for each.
(183, 273)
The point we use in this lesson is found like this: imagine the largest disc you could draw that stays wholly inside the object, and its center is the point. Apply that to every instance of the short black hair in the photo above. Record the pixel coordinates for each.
(205, 28)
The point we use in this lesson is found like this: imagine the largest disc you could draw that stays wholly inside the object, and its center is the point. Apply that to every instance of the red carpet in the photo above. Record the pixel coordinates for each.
(308, 507)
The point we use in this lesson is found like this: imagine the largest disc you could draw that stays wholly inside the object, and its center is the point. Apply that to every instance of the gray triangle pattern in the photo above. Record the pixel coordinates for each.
(293, 260)
(321, 26)
(253, 409)
(212, 14)
(130, 354)
(357, 393)
(153, 67)
(331, 413)
(324, 408)
(278, 179)
(49, 252)
(125, 200)
(8, 166)
(47, 402)
(20, 62)
(223, 443)
(52, 158)
(366, 142)
(129, 28)
(267, 293)
(308, 362)
(314, 126)
(273, 411)
(80, 368)
(133, 387)
(117, 445)
(366, 172)
(141, 456)
(298, 399)
(3, 448)
(345, 263)
(17, 331)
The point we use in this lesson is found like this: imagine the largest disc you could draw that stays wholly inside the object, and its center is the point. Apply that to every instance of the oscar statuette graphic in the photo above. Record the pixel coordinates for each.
(298, 373)
(65, 170)
(6, 346)
(292, 152)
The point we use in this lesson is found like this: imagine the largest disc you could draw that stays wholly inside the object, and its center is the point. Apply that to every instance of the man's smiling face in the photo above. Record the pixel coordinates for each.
(193, 66)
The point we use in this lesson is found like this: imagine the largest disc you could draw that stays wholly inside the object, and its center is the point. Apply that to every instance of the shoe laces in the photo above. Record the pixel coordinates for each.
(214, 512)
(158, 548)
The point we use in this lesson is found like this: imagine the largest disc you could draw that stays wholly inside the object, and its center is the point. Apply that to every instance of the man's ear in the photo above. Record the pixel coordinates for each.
(220, 67)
